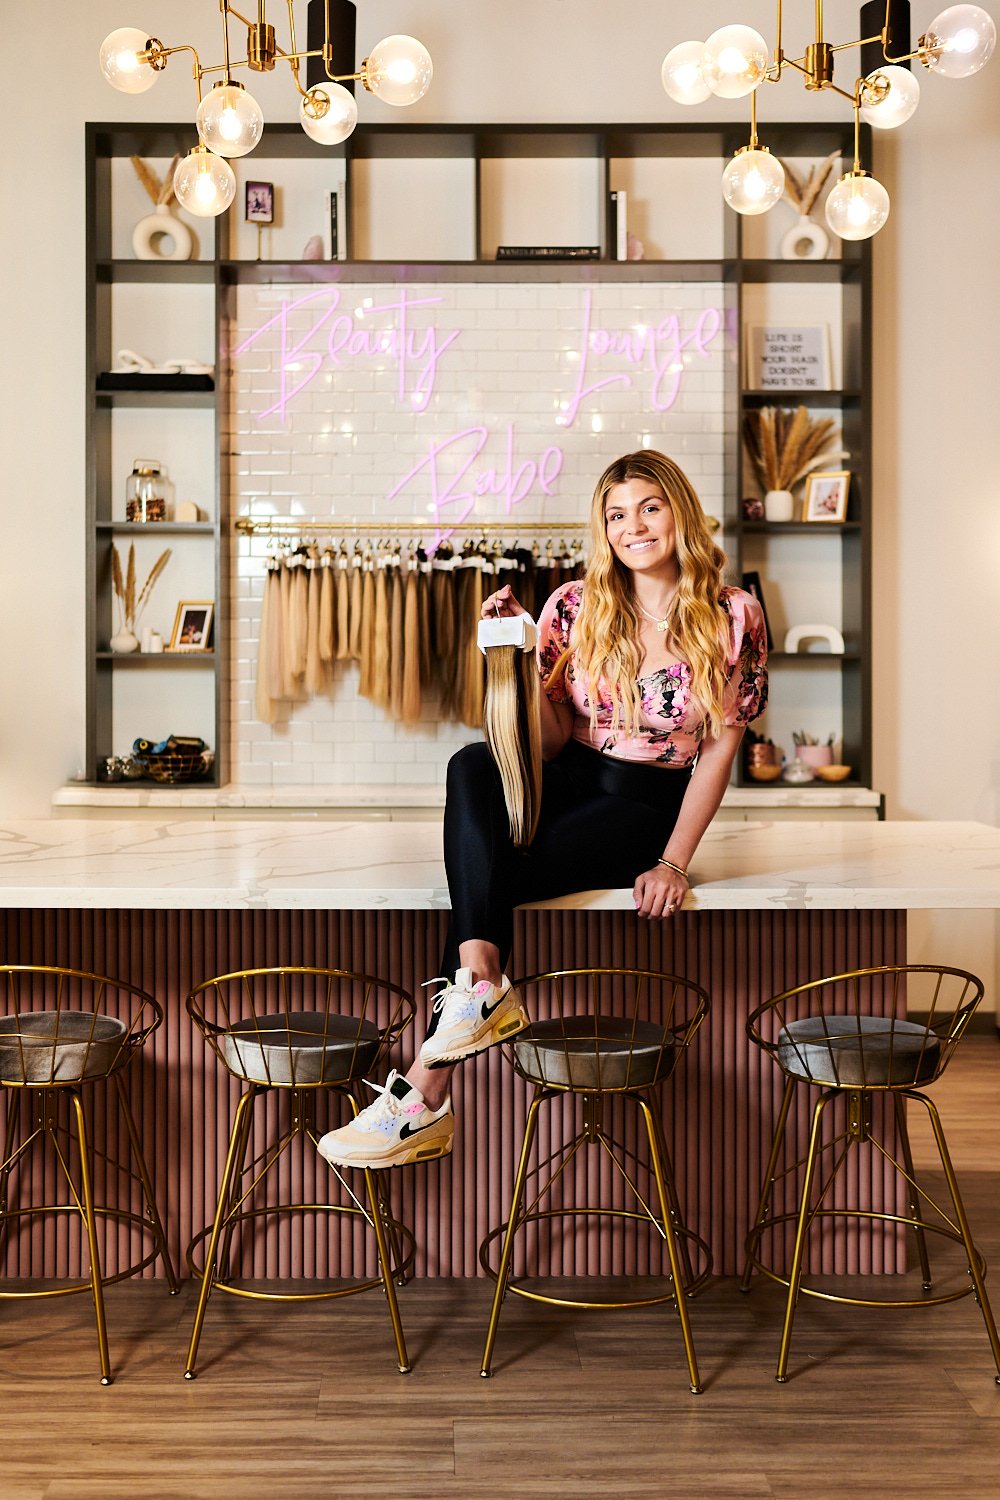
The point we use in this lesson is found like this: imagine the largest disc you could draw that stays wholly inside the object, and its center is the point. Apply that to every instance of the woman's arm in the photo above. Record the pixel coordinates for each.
(660, 891)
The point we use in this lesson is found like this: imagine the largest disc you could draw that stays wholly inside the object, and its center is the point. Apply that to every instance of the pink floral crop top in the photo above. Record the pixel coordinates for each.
(671, 730)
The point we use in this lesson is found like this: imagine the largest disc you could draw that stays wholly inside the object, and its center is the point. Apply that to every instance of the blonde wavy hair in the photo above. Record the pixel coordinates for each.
(605, 635)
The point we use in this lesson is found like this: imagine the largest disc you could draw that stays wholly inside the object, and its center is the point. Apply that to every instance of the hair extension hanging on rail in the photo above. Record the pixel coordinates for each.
(511, 720)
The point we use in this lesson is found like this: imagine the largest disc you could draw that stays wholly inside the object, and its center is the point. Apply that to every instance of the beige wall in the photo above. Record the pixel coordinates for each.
(937, 516)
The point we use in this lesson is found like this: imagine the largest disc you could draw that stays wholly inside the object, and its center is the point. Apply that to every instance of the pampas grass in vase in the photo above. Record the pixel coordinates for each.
(783, 448)
(130, 607)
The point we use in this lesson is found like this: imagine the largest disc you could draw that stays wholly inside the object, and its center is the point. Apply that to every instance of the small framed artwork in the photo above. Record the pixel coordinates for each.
(788, 359)
(193, 625)
(751, 583)
(259, 203)
(826, 496)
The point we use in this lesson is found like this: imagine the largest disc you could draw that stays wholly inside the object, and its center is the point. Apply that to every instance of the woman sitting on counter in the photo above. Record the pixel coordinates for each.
(651, 669)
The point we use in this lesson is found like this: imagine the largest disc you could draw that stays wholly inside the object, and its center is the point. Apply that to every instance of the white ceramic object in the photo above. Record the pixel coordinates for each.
(805, 240)
(797, 773)
(151, 234)
(828, 633)
(779, 505)
(123, 641)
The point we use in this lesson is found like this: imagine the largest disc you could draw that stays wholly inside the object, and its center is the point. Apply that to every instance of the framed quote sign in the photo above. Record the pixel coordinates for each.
(788, 359)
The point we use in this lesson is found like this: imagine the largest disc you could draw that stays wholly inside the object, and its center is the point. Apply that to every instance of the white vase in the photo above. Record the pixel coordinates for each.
(151, 234)
(805, 241)
(779, 505)
(123, 641)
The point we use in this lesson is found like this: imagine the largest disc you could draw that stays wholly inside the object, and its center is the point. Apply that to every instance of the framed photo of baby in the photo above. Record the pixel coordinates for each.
(826, 496)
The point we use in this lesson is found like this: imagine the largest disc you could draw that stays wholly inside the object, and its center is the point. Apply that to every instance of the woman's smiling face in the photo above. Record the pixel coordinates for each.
(640, 526)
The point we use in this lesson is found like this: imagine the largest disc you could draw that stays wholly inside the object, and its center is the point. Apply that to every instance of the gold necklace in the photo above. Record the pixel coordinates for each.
(660, 624)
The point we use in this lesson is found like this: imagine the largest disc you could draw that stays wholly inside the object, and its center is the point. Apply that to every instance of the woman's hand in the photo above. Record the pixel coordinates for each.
(501, 603)
(659, 892)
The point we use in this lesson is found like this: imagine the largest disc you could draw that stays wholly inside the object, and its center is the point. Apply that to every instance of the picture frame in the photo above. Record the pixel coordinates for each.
(794, 357)
(259, 203)
(826, 495)
(751, 584)
(193, 625)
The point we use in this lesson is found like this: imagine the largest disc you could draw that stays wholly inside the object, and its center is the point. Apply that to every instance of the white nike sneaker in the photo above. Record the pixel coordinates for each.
(473, 1017)
(396, 1129)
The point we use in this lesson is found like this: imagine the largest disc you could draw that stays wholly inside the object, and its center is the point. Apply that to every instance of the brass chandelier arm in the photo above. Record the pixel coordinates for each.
(156, 56)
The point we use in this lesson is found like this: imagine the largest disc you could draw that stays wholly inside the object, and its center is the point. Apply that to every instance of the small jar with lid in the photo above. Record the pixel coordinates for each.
(145, 492)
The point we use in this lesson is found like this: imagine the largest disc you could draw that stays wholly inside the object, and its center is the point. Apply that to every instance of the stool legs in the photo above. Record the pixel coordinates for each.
(222, 1205)
(159, 1238)
(386, 1269)
(667, 1212)
(508, 1239)
(764, 1206)
(801, 1232)
(88, 1217)
(974, 1268)
(913, 1192)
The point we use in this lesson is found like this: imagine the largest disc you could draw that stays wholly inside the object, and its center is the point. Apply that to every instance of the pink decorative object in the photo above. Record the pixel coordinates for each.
(815, 755)
(314, 248)
(634, 248)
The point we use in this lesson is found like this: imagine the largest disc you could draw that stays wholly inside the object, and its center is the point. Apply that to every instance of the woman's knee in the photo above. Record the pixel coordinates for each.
(471, 771)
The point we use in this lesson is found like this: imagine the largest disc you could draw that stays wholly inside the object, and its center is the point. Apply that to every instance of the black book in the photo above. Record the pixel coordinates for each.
(548, 252)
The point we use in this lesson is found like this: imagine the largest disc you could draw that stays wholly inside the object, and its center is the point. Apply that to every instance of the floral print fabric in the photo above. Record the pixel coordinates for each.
(671, 728)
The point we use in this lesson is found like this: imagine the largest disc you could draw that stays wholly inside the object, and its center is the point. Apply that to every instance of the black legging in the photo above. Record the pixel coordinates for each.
(602, 823)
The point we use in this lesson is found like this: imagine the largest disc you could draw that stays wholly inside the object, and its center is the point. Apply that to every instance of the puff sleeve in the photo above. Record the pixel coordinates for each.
(746, 689)
(554, 625)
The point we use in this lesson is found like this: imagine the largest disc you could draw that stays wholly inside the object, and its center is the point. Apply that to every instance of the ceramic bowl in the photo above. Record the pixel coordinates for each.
(765, 773)
(832, 773)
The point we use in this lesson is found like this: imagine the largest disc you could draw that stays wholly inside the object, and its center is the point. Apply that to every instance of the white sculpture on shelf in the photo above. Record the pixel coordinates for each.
(799, 634)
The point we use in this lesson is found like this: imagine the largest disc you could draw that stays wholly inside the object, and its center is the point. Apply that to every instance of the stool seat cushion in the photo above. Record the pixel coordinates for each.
(59, 1046)
(301, 1048)
(588, 1053)
(858, 1051)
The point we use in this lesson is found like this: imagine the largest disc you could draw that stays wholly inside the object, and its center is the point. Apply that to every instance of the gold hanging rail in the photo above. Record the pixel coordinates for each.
(289, 526)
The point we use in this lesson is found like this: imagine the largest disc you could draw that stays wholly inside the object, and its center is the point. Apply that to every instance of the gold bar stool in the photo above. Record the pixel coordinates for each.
(611, 1034)
(850, 1037)
(296, 1031)
(63, 1029)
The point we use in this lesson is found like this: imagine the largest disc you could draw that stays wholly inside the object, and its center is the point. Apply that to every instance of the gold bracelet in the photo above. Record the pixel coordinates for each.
(671, 866)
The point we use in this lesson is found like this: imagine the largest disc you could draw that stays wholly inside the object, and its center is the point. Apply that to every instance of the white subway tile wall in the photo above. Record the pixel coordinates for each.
(444, 402)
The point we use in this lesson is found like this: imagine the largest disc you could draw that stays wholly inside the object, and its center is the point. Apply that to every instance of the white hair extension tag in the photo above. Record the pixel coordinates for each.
(507, 630)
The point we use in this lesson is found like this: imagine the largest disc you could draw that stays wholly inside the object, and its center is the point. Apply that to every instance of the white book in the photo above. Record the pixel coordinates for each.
(621, 225)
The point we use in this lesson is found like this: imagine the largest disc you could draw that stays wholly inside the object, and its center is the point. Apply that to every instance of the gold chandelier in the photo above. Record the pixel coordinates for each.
(397, 70)
(735, 61)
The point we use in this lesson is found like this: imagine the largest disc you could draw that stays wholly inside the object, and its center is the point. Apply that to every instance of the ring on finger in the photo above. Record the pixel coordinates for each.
(671, 907)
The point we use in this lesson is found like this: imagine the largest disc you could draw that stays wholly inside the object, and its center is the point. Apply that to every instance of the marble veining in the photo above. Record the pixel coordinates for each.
(183, 863)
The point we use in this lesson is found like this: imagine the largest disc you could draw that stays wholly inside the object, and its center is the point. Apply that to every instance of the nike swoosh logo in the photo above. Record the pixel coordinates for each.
(407, 1130)
(489, 1009)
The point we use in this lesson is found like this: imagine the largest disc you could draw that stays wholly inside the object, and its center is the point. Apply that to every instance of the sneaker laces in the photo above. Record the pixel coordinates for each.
(460, 1003)
(382, 1111)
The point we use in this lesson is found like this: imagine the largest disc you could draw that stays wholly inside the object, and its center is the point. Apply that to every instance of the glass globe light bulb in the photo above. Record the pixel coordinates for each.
(898, 104)
(120, 62)
(959, 41)
(205, 184)
(398, 70)
(230, 121)
(753, 181)
(858, 207)
(328, 113)
(682, 73)
(736, 59)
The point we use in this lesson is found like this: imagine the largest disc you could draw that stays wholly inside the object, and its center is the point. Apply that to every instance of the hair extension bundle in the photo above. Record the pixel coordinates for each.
(357, 607)
(366, 630)
(380, 641)
(343, 607)
(511, 720)
(409, 706)
(471, 672)
(327, 611)
(314, 675)
(395, 587)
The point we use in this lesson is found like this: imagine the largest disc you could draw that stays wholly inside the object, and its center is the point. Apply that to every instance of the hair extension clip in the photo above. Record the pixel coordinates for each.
(507, 630)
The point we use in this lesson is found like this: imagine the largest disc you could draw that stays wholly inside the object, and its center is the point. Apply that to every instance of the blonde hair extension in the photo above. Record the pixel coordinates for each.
(380, 689)
(605, 634)
(512, 727)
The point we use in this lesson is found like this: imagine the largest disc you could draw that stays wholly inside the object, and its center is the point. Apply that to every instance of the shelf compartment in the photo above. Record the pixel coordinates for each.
(158, 528)
(757, 398)
(267, 272)
(157, 658)
(828, 272)
(170, 272)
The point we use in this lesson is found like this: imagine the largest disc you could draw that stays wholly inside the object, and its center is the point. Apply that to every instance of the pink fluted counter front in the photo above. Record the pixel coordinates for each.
(166, 903)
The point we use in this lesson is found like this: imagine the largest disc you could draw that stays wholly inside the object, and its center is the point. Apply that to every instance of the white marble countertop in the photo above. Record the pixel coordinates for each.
(382, 799)
(183, 863)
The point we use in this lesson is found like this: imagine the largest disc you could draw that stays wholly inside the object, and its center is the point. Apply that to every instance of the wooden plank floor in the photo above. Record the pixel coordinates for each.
(306, 1401)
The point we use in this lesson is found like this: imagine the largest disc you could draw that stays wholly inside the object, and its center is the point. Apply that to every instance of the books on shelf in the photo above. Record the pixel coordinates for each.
(335, 229)
(618, 225)
(548, 252)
